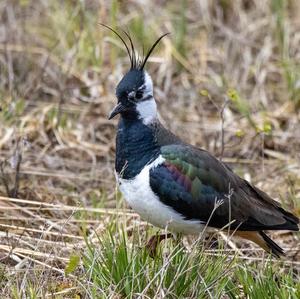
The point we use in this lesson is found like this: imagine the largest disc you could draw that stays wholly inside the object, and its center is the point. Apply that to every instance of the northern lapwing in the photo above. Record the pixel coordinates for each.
(175, 185)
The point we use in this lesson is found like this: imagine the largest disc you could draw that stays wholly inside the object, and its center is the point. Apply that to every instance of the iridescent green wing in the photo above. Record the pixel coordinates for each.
(191, 181)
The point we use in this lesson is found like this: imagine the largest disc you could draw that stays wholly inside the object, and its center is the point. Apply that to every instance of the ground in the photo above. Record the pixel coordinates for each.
(226, 79)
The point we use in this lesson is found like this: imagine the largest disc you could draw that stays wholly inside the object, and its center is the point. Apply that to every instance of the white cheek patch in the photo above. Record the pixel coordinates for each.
(146, 107)
(148, 85)
(147, 111)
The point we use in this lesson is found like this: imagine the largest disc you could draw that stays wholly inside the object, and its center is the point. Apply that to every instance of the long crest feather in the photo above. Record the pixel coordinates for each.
(142, 65)
(133, 55)
(132, 59)
(135, 61)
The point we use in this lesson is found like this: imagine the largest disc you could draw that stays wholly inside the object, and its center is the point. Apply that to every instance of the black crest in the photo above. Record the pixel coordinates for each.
(136, 62)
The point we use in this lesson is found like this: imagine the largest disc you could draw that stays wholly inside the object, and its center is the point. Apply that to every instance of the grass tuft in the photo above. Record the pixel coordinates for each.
(119, 265)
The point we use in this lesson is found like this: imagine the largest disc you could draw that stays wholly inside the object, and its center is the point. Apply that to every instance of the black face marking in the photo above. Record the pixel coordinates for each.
(139, 94)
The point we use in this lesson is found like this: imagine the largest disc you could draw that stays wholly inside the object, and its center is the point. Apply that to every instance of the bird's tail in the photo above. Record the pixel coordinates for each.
(272, 246)
(262, 240)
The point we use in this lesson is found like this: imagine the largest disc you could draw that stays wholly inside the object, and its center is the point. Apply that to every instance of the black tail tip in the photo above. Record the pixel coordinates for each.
(275, 249)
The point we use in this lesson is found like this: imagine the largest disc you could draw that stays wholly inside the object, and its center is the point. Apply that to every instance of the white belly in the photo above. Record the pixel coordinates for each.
(139, 195)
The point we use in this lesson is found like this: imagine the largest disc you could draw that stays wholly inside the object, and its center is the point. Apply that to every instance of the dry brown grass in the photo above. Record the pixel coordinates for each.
(58, 71)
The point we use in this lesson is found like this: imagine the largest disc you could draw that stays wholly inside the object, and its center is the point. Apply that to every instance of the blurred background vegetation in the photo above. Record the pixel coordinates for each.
(226, 79)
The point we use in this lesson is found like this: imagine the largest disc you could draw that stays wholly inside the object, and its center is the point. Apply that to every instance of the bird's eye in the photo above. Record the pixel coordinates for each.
(131, 96)
(139, 95)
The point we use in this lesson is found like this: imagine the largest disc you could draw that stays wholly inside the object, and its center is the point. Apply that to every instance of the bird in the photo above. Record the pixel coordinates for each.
(176, 186)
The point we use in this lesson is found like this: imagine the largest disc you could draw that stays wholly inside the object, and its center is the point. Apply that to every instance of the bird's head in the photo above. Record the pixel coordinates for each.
(135, 90)
(135, 97)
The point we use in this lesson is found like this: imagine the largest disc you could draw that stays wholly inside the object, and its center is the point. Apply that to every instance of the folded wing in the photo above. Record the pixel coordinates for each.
(198, 186)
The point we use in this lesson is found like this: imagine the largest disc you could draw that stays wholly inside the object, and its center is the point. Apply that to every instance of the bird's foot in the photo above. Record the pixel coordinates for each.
(211, 242)
(154, 241)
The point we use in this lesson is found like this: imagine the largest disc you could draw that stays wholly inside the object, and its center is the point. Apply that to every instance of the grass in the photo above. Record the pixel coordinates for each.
(226, 80)
(116, 268)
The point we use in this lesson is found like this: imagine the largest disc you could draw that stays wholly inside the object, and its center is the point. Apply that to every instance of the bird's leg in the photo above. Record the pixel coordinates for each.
(211, 241)
(154, 242)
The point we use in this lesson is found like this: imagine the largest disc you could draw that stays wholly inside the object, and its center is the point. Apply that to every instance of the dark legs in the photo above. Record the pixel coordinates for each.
(154, 242)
